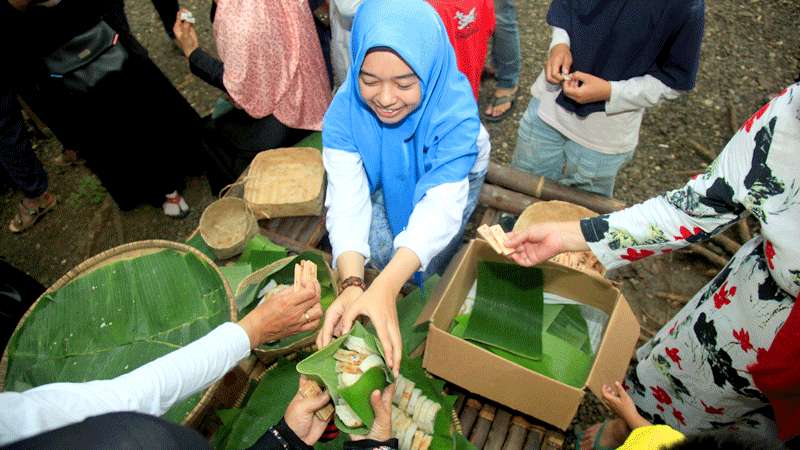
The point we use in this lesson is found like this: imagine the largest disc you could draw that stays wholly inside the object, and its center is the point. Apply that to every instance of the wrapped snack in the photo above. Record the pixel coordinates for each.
(496, 238)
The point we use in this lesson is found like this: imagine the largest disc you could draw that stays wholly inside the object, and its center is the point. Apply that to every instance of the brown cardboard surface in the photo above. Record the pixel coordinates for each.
(491, 376)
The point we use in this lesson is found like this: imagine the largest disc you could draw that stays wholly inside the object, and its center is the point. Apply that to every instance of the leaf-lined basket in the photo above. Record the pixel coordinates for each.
(117, 311)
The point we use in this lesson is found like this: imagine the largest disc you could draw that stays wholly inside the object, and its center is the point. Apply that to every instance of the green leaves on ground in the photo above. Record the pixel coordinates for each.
(116, 318)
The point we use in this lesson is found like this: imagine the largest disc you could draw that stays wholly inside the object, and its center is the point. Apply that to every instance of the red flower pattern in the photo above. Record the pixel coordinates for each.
(743, 337)
(686, 234)
(711, 409)
(660, 408)
(678, 416)
(672, 353)
(721, 297)
(634, 255)
(748, 124)
(769, 252)
(661, 395)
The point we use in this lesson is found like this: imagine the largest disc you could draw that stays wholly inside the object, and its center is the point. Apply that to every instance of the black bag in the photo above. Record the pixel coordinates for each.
(88, 58)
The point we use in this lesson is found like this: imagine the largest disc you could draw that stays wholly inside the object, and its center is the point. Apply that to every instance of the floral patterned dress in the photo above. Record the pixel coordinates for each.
(693, 375)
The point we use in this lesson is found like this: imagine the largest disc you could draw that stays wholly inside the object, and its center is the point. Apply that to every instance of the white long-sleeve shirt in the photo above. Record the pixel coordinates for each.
(434, 221)
(150, 389)
(613, 131)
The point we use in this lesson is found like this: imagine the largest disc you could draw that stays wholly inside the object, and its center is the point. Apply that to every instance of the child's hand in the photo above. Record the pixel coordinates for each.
(621, 403)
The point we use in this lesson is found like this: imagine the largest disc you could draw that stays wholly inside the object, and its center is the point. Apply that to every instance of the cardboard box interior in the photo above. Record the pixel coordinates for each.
(487, 374)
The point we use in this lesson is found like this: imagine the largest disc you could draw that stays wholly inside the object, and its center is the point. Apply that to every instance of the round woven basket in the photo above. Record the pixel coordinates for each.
(123, 252)
(226, 225)
(558, 211)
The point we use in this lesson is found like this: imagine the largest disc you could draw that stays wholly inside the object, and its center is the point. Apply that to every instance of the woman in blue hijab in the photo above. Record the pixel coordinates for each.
(402, 160)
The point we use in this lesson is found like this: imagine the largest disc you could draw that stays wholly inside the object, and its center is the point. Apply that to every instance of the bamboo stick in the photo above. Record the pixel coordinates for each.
(504, 199)
(702, 151)
(744, 230)
(469, 415)
(499, 430)
(554, 440)
(708, 254)
(516, 434)
(545, 189)
(482, 425)
(535, 437)
(727, 243)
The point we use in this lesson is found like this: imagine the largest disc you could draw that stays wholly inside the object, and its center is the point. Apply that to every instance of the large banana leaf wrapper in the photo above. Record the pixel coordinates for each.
(282, 272)
(118, 317)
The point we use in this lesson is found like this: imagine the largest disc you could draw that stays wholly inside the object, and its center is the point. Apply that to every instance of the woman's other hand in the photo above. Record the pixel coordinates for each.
(283, 314)
(541, 242)
(185, 35)
(300, 415)
(587, 88)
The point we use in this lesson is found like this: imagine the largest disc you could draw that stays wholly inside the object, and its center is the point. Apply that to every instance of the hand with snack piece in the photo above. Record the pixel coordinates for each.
(622, 404)
(558, 63)
(301, 414)
(586, 88)
(541, 242)
(185, 34)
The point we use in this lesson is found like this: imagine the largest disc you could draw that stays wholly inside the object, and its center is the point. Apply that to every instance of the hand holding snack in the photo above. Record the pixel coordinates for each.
(541, 242)
(558, 63)
(302, 414)
(185, 35)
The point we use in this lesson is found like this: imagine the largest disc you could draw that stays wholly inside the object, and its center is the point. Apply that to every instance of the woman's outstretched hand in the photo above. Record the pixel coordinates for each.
(541, 242)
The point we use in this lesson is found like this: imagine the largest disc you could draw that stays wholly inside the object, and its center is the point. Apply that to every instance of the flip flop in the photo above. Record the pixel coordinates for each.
(27, 217)
(596, 443)
(511, 98)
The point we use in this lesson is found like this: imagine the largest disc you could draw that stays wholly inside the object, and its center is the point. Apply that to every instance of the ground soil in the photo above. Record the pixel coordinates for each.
(750, 50)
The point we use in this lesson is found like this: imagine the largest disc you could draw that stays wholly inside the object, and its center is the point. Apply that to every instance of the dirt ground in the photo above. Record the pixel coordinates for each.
(750, 50)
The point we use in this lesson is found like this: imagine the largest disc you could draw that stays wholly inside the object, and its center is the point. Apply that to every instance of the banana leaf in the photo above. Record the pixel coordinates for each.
(408, 310)
(321, 366)
(116, 318)
(235, 273)
(561, 360)
(358, 394)
(312, 140)
(508, 309)
(242, 427)
(199, 244)
(260, 252)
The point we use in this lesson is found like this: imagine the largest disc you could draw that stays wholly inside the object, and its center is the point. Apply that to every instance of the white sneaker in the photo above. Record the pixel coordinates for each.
(175, 206)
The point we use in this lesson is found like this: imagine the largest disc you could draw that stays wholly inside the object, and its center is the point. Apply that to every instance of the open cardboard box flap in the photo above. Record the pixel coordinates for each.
(464, 363)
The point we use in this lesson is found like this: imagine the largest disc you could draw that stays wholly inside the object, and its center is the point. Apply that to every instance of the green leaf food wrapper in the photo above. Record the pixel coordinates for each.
(261, 252)
(235, 273)
(322, 367)
(508, 309)
(116, 318)
(357, 395)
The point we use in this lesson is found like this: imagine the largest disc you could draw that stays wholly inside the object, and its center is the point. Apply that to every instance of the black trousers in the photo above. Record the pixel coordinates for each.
(17, 158)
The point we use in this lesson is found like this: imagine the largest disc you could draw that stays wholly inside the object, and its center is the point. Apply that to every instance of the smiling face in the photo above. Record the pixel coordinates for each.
(388, 86)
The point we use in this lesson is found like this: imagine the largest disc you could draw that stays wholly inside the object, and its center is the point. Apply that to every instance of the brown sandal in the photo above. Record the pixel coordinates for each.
(26, 217)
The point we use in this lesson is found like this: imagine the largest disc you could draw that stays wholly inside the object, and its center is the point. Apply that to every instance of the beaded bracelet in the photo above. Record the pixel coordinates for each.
(352, 281)
(280, 438)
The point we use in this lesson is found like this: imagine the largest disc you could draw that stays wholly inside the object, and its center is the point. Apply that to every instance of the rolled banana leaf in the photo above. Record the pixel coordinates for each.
(261, 252)
(508, 309)
(115, 318)
(321, 366)
(358, 394)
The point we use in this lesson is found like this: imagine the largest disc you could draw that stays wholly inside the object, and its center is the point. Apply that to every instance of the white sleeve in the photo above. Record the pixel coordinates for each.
(347, 8)
(435, 221)
(560, 36)
(638, 93)
(348, 202)
(151, 389)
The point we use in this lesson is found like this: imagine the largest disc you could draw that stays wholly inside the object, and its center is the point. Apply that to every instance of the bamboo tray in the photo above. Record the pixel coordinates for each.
(286, 182)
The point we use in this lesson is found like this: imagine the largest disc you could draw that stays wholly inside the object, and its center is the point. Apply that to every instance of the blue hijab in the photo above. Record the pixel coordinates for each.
(621, 39)
(435, 143)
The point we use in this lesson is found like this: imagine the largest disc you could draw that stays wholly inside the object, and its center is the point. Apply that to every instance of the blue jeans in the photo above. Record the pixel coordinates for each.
(543, 150)
(505, 45)
(381, 242)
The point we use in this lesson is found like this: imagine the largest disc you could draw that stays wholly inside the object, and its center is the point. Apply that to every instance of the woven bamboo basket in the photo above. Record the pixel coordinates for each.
(226, 225)
(286, 182)
(558, 211)
(124, 252)
(268, 356)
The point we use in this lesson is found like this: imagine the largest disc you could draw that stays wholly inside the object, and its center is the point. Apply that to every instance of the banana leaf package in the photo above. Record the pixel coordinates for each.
(280, 273)
(116, 312)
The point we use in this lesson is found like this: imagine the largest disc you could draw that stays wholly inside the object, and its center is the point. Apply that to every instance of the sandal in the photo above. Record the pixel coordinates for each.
(26, 217)
(597, 437)
(497, 101)
(68, 158)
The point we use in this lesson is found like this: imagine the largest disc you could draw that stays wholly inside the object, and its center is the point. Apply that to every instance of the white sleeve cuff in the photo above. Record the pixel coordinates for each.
(435, 221)
(560, 36)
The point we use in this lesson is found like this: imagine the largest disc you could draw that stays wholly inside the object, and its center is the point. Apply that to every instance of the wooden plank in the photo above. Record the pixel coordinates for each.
(539, 187)
(499, 430)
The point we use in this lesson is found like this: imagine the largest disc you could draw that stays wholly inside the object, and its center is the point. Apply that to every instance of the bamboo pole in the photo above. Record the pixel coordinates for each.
(505, 200)
(727, 243)
(540, 187)
(535, 437)
(469, 415)
(516, 434)
(708, 254)
(482, 425)
(499, 430)
(744, 230)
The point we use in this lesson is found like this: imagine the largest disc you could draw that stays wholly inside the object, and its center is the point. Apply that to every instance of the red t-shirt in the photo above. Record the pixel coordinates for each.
(470, 24)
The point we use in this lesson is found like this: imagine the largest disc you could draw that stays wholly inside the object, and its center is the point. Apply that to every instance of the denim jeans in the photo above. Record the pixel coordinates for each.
(505, 45)
(381, 242)
(543, 150)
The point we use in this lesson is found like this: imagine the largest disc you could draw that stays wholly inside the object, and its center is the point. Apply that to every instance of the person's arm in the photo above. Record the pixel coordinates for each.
(280, 437)
(347, 8)
(349, 209)
(207, 68)
(638, 93)
(156, 386)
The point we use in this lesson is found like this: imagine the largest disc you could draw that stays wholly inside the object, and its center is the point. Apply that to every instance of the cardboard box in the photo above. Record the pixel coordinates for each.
(484, 373)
